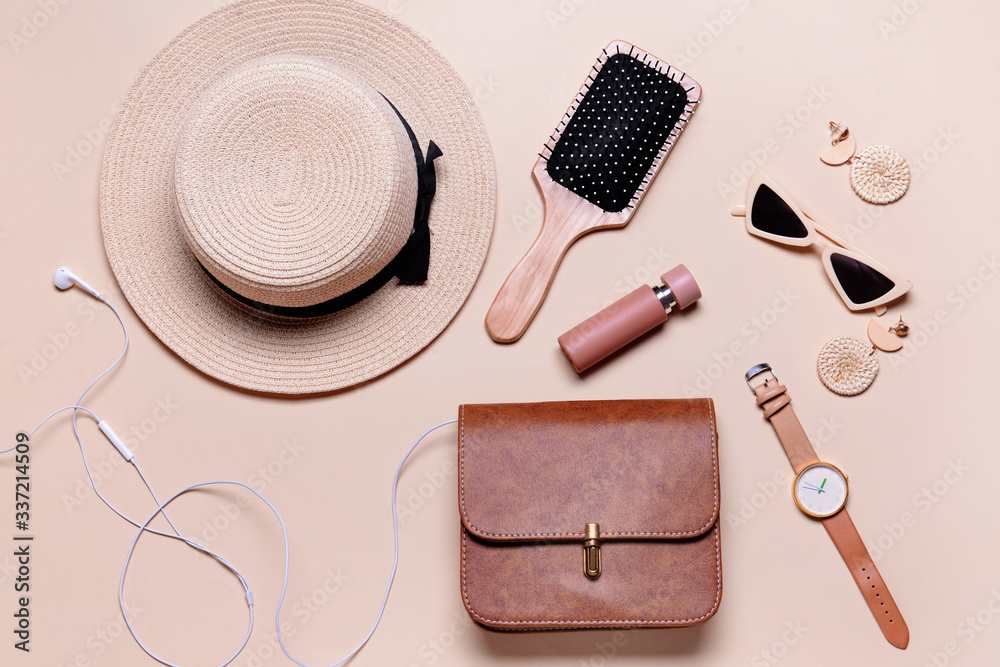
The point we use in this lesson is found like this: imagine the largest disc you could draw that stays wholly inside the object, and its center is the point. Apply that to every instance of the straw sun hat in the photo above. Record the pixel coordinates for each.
(263, 189)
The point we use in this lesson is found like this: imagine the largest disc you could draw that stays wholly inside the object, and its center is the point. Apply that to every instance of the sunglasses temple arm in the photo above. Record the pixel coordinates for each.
(835, 238)
(739, 211)
(827, 232)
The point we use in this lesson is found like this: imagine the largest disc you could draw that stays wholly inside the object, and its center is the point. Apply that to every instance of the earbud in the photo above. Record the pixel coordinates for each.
(65, 278)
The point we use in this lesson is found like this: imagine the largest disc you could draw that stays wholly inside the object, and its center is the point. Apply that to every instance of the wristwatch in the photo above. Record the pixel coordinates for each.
(820, 491)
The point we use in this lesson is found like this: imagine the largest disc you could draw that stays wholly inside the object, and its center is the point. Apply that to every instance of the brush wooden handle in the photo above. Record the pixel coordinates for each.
(567, 218)
(525, 288)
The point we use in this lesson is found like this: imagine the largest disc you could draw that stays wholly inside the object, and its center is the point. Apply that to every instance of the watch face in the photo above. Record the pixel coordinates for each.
(820, 490)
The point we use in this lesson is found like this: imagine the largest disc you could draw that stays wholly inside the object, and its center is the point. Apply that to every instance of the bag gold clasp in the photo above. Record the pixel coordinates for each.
(592, 550)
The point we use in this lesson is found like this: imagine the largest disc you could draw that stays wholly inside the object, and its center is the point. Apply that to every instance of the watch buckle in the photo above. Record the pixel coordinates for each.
(755, 371)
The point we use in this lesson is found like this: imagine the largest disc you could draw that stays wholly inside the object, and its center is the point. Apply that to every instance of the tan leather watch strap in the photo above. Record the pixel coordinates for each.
(867, 576)
(773, 398)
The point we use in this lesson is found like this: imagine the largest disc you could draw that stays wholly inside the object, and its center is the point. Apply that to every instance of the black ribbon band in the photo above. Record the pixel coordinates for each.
(410, 264)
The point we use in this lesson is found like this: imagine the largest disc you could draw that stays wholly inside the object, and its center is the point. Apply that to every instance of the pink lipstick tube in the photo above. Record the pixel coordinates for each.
(628, 318)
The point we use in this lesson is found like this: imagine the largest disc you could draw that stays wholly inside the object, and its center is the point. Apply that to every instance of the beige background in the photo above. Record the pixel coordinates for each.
(920, 445)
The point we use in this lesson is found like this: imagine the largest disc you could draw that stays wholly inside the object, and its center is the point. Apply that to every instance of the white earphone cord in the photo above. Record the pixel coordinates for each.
(176, 535)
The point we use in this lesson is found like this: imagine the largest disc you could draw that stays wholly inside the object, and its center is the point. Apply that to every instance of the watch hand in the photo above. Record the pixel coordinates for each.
(813, 487)
(823, 484)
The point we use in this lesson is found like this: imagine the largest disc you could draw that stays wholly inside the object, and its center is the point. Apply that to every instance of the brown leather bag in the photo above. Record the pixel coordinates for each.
(535, 478)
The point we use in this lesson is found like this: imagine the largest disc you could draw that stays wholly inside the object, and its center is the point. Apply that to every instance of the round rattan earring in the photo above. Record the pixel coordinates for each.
(848, 366)
(879, 175)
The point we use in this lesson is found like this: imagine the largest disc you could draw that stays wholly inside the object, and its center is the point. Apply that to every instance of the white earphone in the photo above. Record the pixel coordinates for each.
(64, 279)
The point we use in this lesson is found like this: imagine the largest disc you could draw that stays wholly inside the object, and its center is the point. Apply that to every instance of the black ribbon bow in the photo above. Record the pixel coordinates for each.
(414, 259)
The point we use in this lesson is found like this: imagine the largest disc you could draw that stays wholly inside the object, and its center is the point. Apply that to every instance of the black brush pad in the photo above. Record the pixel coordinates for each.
(619, 127)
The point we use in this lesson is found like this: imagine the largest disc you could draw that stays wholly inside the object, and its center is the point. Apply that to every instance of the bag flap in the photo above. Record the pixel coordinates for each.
(642, 469)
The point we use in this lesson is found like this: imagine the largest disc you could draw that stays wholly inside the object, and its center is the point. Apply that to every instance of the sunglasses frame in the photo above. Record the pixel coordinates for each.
(822, 237)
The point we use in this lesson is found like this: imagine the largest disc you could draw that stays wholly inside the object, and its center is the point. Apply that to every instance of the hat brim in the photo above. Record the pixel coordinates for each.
(179, 302)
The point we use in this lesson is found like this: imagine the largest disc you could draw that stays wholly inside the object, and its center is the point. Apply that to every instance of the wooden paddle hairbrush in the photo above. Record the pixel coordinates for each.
(595, 168)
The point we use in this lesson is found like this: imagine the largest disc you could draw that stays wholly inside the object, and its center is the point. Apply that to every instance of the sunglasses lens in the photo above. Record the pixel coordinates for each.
(772, 215)
(861, 282)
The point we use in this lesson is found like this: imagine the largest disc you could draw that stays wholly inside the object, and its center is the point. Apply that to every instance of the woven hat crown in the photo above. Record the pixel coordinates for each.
(294, 180)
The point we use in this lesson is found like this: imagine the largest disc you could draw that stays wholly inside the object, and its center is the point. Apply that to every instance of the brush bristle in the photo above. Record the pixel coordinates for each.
(627, 117)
